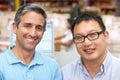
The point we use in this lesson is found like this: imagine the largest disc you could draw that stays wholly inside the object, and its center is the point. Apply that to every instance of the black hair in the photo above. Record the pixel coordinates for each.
(88, 16)
(70, 21)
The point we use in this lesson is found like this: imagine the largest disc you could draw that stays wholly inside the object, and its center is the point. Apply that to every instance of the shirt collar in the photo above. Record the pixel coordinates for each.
(12, 59)
(107, 61)
(79, 62)
(38, 59)
(104, 66)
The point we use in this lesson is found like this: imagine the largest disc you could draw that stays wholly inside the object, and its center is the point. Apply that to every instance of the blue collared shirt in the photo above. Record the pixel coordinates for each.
(110, 70)
(40, 68)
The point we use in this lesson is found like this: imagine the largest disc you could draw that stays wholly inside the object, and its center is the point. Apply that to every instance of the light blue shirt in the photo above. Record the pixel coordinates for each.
(40, 68)
(110, 70)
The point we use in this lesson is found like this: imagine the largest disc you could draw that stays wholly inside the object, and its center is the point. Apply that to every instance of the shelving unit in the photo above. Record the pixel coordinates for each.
(117, 7)
(50, 0)
(100, 1)
(106, 6)
(5, 5)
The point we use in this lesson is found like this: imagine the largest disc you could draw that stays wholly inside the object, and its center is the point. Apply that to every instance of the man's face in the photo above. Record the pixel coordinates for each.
(29, 31)
(91, 49)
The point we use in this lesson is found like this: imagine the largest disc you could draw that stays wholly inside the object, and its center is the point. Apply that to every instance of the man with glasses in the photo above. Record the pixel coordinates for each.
(96, 62)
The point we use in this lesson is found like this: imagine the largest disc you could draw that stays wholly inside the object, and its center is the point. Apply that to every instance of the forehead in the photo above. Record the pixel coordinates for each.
(33, 17)
(87, 26)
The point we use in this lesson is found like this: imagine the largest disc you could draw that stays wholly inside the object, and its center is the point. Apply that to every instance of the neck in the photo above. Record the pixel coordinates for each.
(93, 67)
(23, 55)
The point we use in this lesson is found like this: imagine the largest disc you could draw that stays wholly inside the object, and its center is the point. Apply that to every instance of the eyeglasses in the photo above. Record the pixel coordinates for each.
(90, 36)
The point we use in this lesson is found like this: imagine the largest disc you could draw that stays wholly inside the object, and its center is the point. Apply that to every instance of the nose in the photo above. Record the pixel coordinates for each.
(33, 32)
(87, 41)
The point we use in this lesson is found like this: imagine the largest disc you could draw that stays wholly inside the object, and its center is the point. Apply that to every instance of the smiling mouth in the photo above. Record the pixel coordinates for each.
(89, 51)
(30, 40)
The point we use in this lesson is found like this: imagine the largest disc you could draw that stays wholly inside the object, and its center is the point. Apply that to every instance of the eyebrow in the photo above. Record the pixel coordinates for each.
(27, 23)
(92, 31)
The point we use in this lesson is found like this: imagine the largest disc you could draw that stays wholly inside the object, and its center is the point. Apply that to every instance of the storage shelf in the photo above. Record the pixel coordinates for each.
(117, 7)
(5, 7)
(108, 7)
(100, 1)
(50, 0)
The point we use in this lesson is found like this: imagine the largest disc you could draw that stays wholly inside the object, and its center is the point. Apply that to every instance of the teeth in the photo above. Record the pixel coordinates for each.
(30, 39)
(89, 51)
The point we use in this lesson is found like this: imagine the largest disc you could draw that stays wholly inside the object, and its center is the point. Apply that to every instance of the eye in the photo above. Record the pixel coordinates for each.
(79, 38)
(27, 25)
(92, 35)
(40, 28)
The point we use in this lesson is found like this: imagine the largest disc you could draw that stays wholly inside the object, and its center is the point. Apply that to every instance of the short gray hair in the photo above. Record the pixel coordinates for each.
(27, 8)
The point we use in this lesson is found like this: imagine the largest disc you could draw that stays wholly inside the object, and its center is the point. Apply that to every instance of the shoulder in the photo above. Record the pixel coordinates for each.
(69, 68)
(115, 61)
(52, 63)
(3, 60)
(52, 66)
(115, 64)
(2, 56)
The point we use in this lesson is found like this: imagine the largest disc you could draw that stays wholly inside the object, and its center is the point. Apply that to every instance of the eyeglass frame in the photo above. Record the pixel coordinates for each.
(98, 33)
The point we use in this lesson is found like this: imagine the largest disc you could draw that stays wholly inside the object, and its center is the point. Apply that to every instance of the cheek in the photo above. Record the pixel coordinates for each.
(101, 44)
(79, 47)
(40, 34)
(22, 31)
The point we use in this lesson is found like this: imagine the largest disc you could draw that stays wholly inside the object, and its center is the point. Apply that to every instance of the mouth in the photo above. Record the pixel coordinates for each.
(89, 51)
(30, 40)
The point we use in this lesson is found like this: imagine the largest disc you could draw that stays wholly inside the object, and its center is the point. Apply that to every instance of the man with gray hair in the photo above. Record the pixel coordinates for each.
(21, 61)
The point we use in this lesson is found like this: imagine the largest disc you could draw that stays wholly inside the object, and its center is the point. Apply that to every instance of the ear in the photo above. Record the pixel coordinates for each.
(106, 34)
(14, 28)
